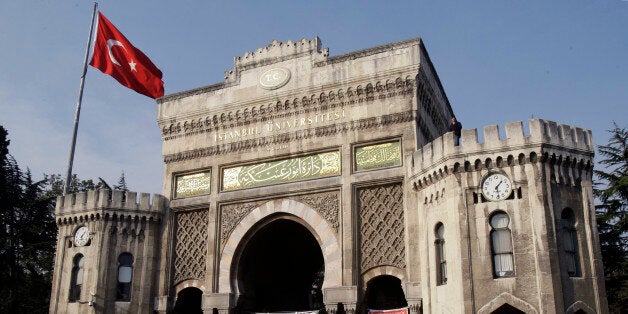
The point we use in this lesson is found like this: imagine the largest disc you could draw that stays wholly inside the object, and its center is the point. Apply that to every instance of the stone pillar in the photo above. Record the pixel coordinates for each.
(347, 295)
(221, 301)
(413, 296)
(161, 304)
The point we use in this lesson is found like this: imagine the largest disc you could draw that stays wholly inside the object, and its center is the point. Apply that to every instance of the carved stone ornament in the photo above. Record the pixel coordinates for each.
(325, 203)
(274, 78)
(191, 245)
(230, 216)
(381, 226)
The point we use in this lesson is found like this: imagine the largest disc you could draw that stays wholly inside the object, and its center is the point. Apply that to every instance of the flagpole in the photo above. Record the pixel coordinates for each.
(68, 177)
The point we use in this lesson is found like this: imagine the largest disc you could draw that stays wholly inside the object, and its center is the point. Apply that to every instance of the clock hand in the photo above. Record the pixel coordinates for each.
(497, 186)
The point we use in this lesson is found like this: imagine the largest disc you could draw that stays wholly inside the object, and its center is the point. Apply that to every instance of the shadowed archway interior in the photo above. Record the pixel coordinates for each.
(385, 293)
(189, 301)
(281, 269)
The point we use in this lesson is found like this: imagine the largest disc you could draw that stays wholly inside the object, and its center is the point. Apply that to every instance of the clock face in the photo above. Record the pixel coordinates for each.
(81, 236)
(496, 187)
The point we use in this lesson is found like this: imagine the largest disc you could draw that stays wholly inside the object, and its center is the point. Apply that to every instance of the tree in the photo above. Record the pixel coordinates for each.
(611, 190)
(28, 232)
(27, 238)
(121, 184)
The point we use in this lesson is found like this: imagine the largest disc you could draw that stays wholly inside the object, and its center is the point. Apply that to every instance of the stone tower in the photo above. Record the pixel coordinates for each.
(533, 249)
(107, 252)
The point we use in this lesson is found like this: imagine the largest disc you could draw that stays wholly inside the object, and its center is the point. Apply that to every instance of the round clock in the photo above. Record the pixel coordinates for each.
(81, 236)
(496, 187)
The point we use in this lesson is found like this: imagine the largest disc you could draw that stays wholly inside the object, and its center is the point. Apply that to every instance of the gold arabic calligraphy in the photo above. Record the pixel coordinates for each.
(378, 156)
(193, 184)
(281, 171)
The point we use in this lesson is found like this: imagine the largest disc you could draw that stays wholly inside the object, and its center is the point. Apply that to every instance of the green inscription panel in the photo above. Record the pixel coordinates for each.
(281, 171)
(378, 156)
(192, 184)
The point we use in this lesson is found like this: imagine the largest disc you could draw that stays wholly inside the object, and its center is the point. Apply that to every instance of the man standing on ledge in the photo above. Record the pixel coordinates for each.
(455, 127)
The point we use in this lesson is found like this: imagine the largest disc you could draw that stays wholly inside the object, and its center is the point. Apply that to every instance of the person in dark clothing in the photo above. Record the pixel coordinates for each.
(455, 127)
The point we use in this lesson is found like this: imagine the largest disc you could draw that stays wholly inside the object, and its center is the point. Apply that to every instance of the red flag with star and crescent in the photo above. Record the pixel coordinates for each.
(116, 56)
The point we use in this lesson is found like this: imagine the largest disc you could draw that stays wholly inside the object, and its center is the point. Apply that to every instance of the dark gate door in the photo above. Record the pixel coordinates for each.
(385, 293)
(189, 301)
(281, 269)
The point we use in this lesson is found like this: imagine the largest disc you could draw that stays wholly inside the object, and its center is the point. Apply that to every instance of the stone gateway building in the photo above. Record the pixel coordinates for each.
(306, 181)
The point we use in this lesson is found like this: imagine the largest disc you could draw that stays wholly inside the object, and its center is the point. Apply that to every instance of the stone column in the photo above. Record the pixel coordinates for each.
(347, 295)
(161, 304)
(223, 302)
(413, 296)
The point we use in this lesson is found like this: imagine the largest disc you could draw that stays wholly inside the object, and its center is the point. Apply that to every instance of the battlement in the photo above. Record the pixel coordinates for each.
(107, 199)
(541, 132)
(278, 51)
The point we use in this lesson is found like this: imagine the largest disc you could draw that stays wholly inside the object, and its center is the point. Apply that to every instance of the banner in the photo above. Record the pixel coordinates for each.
(395, 311)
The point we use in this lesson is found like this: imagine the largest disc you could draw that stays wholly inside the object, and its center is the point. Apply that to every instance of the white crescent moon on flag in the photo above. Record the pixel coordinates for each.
(111, 43)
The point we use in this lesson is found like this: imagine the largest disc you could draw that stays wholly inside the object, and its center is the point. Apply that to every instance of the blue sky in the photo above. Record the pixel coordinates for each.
(498, 61)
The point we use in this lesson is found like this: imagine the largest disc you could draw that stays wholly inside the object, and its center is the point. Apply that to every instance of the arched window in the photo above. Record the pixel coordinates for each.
(501, 244)
(125, 275)
(439, 248)
(76, 280)
(570, 242)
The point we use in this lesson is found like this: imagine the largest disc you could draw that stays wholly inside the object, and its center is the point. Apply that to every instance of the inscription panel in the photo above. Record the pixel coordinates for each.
(187, 185)
(382, 155)
(281, 171)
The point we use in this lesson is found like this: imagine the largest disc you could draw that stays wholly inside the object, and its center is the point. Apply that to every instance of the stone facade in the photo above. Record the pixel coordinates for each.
(352, 152)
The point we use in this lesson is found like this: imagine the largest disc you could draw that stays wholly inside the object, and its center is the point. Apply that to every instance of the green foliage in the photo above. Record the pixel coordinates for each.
(28, 232)
(611, 189)
(27, 238)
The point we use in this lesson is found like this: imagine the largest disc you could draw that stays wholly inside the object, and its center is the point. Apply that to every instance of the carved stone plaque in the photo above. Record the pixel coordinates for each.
(274, 78)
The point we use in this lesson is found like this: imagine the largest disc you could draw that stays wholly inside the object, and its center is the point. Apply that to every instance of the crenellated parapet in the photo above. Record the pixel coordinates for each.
(569, 150)
(278, 51)
(106, 204)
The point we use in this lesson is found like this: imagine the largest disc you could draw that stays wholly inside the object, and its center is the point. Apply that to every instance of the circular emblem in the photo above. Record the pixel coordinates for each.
(274, 78)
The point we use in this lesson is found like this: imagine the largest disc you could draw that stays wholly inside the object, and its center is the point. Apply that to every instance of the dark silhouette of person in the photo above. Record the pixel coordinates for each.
(455, 127)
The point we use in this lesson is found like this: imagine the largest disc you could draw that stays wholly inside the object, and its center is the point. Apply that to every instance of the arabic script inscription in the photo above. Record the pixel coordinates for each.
(281, 171)
(378, 156)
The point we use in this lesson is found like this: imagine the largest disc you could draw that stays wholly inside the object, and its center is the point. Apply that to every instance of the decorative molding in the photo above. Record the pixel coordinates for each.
(332, 130)
(382, 233)
(567, 151)
(172, 129)
(567, 170)
(191, 245)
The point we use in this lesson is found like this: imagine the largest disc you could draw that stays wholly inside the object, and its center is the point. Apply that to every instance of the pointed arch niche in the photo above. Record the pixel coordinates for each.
(512, 301)
(290, 209)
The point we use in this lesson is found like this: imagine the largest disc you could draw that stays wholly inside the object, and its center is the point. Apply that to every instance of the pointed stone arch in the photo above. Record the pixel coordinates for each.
(307, 216)
(579, 306)
(189, 283)
(508, 298)
(384, 270)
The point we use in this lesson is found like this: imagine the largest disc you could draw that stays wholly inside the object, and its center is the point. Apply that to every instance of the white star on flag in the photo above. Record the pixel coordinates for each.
(132, 64)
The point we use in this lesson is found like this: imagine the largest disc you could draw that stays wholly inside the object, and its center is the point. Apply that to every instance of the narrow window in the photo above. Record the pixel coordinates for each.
(501, 244)
(125, 274)
(439, 247)
(76, 280)
(570, 242)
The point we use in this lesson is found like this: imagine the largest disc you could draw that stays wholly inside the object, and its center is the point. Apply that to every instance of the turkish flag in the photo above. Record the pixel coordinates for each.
(116, 56)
